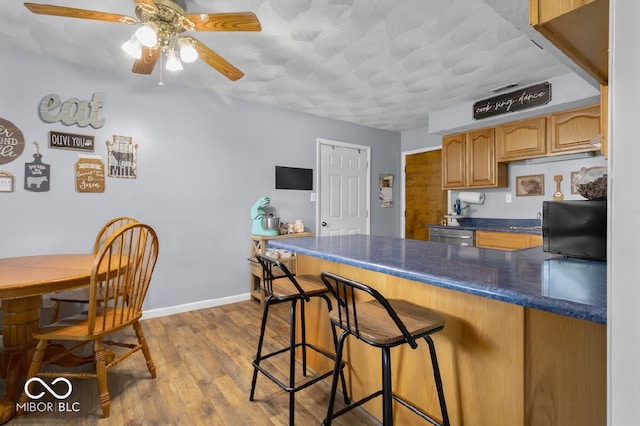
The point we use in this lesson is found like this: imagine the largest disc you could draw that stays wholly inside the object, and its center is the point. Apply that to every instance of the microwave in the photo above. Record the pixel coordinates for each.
(575, 228)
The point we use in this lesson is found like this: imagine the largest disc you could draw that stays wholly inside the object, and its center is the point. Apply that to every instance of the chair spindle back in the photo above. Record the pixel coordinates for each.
(109, 228)
(123, 267)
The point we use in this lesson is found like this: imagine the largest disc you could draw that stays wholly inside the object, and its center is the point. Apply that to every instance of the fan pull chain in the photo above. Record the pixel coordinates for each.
(161, 83)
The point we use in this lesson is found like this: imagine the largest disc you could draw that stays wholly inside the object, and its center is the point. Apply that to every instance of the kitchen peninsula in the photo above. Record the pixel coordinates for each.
(525, 336)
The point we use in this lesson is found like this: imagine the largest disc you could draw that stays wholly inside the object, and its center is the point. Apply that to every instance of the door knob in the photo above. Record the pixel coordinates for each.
(324, 223)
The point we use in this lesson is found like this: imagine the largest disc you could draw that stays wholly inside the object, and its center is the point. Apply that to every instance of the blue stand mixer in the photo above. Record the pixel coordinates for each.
(257, 215)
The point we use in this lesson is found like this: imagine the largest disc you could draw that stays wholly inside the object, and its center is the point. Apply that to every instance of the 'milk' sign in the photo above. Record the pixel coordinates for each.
(527, 97)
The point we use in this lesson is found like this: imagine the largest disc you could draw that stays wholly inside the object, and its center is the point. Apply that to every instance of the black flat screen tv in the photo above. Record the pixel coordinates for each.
(294, 178)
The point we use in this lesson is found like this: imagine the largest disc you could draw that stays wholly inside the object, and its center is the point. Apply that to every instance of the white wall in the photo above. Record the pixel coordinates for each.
(624, 217)
(203, 160)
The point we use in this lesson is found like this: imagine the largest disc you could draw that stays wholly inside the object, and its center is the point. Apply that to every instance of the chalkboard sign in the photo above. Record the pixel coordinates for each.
(37, 175)
(528, 97)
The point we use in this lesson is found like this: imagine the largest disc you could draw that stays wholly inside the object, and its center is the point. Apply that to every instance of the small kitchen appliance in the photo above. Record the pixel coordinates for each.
(263, 224)
(575, 228)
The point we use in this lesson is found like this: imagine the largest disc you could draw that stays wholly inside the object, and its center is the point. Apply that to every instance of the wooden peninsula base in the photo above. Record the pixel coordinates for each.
(502, 364)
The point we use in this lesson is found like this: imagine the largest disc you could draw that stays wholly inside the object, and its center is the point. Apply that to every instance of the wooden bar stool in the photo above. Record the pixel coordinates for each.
(384, 324)
(283, 287)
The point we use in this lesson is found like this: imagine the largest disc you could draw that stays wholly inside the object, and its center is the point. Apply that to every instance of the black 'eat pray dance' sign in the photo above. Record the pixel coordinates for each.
(527, 97)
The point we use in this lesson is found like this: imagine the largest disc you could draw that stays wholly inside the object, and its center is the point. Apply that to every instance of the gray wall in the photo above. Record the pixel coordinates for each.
(203, 160)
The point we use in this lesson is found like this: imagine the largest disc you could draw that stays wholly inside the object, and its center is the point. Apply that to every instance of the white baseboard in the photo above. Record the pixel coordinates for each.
(203, 304)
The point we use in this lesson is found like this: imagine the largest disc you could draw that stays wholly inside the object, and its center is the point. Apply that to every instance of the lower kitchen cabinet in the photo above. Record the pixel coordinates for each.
(507, 240)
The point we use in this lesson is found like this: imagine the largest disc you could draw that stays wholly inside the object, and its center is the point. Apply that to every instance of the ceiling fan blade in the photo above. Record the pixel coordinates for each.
(242, 21)
(71, 12)
(147, 61)
(216, 61)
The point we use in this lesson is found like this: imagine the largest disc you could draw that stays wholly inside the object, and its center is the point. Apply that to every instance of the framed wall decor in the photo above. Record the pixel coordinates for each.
(122, 157)
(386, 190)
(531, 185)
(6, 182)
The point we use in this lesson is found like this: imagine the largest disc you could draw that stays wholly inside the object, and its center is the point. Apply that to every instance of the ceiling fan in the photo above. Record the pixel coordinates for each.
(163, 22)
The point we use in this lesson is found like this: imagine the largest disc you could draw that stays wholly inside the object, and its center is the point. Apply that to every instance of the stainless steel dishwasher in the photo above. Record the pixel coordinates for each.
(458, 237)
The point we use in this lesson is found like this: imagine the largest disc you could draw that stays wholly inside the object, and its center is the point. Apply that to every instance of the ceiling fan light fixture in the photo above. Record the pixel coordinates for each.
(148, 34)
(173, 62)
(133, 47)
(188, 53)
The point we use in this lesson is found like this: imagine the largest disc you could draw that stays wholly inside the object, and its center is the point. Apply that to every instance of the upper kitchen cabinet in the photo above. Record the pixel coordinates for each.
(572, 131)
(579, 28)
(522, 139)
(454, 161)
(559, 133)
(469, 161)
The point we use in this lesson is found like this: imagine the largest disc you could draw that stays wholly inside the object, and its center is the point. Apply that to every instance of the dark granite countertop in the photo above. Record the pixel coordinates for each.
(531, 278)
(521, 226)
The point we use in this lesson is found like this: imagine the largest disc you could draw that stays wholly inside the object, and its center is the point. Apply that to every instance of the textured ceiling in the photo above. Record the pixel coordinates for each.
(380, 63)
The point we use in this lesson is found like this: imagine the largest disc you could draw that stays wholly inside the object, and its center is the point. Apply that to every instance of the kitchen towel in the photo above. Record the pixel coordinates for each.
(471, 197)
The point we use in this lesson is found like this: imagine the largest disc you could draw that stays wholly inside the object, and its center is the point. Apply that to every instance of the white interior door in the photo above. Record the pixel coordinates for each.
(343, 188)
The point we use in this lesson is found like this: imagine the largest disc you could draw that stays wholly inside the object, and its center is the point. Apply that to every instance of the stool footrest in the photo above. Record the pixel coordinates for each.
(256, 364)
(395, 397)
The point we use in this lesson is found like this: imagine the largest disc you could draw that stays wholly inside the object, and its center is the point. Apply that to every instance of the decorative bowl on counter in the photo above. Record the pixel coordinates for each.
(591, 183)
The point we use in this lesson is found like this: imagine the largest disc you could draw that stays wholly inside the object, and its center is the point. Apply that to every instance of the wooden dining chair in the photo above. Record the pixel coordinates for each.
(81, 295)
(120, 279)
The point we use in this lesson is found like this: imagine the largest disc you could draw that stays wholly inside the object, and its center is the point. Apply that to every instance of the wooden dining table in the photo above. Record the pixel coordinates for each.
(23, 281)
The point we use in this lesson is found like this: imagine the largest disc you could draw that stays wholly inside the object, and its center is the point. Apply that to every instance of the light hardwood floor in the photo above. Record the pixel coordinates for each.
(203, 359)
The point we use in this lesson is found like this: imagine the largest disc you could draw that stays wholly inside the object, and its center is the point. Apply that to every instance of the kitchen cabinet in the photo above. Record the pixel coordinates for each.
(579, 28)
(572, 131)
(604, 120)
(469, 161)
(259, 245)
(507, 240)
(522, 139)
(564, 132)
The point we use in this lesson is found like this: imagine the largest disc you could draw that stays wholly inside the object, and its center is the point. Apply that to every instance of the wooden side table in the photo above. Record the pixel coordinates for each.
(259, 245)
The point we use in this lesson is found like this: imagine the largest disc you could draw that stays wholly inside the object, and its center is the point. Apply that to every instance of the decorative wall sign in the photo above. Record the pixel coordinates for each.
(122, 157)
(386, 191)
(37, 174)
(71, 141)
(11, 142)
(72, 111)
(529, 185)
(6, 182)
(89, 173)
(528, 97)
